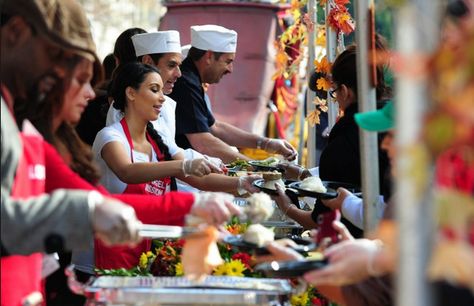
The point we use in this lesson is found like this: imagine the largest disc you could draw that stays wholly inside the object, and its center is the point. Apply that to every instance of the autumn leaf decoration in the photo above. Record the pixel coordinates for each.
(339, 17)
(290, 43)
(323, 67)
(313, 117)
(323, 83)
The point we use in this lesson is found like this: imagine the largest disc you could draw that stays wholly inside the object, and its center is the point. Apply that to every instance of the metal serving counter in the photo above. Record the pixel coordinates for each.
(213, 290)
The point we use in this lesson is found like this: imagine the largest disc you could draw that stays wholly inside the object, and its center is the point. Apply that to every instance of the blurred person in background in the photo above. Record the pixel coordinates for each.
(33, 221)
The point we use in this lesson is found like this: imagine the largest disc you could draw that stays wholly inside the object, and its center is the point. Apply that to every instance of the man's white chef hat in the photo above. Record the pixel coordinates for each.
(214, 38)
(185, 50)
(156, 42)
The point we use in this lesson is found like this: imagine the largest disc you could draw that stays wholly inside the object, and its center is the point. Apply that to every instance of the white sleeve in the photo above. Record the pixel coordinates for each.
(109, 134)
(353, 210)
(113, 115)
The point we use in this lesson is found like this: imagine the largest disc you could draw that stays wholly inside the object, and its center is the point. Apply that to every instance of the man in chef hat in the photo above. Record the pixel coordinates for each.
(210, 57)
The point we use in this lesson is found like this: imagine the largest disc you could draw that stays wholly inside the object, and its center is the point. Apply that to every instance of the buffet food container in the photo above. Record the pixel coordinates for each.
(163, 291)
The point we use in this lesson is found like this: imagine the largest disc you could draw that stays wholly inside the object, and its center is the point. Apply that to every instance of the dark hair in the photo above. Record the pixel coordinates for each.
(123, 49)
(155, 57)
(109, 65)
(457, 9)
(82, 160)
(344, 72)
(196, 54)
(4, 19)
(132, 75)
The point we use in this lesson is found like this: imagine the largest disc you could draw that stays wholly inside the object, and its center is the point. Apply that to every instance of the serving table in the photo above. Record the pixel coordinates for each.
(163, 291)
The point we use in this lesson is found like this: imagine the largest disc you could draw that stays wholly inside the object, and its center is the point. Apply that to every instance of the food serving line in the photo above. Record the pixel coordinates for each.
(210, 290)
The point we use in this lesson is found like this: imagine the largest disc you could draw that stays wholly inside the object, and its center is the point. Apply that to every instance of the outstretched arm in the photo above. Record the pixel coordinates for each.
(207, 143)
(243, 139)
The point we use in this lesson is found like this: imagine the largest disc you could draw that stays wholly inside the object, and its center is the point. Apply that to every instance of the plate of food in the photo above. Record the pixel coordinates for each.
(351, 187)
(313, 187)
(238, 165)
(288, 269)
(267, 183)
(301, 246)
(269, 164)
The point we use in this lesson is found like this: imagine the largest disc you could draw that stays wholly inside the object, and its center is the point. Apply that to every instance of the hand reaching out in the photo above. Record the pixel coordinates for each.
(214, 208)
(282, 147)
(279, 251)
(349, 263)
(199, 167)
(336, 203)
(245, 182)
(113, 222)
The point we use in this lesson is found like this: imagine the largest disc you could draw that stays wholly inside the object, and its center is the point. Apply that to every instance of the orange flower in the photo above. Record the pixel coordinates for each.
(322, 2)
(323, 84)
(323, 66)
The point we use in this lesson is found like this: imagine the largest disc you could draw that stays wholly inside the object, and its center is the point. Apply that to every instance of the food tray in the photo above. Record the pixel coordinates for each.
(213, 290)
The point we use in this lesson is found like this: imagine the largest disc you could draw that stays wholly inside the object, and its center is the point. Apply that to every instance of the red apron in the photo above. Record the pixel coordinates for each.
(126, 257)
(21, 275)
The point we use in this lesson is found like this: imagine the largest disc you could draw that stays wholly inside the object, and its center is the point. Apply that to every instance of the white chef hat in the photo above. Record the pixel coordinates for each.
(185, 50)
(156, 42)
(214, 38)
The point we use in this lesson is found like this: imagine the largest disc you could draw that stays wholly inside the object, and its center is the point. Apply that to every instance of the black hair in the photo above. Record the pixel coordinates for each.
(196, 54)
(344, 72)
(457, 9)
(155, 57)
(132, 75)
(109, 65)
(4, 19)
(123, 49)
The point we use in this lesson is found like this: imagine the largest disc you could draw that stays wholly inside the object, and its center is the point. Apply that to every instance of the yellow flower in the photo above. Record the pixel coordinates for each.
(143, 261)
(178, 268)
(149, 254)
(300, 300)
(221, 270)
(235, 268)
(231, 268)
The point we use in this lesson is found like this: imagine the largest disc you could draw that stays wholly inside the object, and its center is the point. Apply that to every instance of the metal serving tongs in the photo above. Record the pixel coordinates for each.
(168, 231)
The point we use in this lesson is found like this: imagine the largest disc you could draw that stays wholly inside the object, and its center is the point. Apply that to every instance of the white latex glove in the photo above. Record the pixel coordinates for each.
(344, 269)
(282, 147)
(113, 222)
(199, 167)
(245, 184)
(214, 208)
(216, 161)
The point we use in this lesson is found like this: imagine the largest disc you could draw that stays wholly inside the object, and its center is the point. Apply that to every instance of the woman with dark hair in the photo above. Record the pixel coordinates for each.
(131, 154)
(340, 160)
